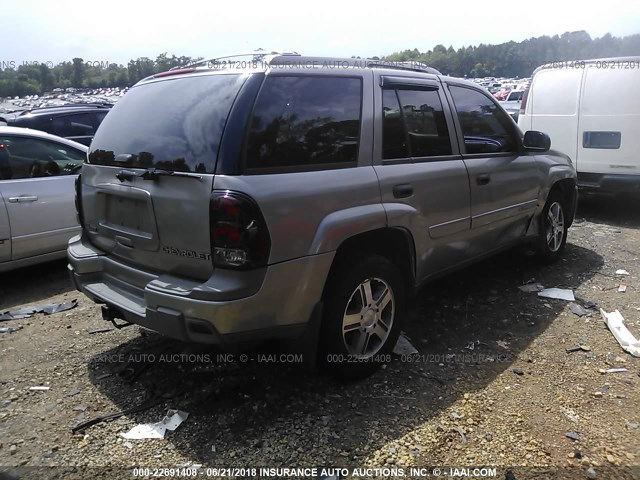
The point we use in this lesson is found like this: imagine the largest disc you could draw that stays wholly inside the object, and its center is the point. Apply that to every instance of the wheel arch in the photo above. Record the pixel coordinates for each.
(568, 189)
(396, 244)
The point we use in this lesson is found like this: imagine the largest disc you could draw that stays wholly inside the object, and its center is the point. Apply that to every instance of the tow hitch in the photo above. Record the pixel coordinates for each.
(110, 314)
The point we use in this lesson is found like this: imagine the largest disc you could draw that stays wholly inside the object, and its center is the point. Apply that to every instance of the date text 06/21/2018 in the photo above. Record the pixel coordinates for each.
(599, 64)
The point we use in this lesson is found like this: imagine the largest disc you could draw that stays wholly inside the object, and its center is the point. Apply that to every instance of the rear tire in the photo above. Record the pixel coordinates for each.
(364, 305)
(553, 228)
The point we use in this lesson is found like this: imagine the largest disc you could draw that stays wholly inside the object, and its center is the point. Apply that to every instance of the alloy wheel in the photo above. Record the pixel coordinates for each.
(555, 226)
(368, 318)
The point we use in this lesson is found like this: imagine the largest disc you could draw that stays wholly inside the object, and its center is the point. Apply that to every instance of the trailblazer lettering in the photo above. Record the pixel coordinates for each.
(186, 253)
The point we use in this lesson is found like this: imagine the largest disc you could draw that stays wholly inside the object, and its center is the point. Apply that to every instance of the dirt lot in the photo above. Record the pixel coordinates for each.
(493, 386)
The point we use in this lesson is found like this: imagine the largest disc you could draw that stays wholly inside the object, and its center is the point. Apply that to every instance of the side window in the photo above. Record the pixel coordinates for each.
(486, 129)
(99, 116)
(75, 125)
(426, 125)
(22, 157)
(37, 123)
(305, 121)
(394, 137)
(418, 117)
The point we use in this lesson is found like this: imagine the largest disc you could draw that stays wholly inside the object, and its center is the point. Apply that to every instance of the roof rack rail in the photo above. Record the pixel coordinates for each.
(67, 105)
(257, 55)
(404, 65)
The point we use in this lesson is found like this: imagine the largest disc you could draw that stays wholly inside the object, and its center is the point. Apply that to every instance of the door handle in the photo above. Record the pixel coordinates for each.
(483, 179)
(124, 241)
(125, 174)
(23, 199)
(403, 190)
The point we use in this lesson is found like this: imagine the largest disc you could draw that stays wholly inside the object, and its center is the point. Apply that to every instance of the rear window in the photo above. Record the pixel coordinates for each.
(172, 124)
(515, 96)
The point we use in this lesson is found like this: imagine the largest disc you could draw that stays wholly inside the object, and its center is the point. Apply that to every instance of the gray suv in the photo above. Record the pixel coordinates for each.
(303, 199)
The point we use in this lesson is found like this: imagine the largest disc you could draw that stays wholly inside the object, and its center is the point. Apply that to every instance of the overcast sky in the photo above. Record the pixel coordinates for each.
(117, 31)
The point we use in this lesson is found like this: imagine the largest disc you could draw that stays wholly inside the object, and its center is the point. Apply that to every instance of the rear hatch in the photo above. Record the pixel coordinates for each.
(147, 185)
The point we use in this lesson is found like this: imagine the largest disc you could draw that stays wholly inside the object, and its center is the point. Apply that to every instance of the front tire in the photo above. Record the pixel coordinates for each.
(554, 226)
(364, 304)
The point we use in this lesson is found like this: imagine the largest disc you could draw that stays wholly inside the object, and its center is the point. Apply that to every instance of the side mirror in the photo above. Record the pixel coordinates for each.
(537, 141)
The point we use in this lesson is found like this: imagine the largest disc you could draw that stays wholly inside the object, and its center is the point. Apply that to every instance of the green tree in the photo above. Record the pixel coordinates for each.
(46, 77)
(77, 78)
(508, 59)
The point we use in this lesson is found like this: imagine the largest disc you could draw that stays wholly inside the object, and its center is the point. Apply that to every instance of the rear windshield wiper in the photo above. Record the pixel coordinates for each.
(153, 174)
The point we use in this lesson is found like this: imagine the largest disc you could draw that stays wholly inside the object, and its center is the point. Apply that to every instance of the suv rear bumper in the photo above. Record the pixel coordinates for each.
(230, 308)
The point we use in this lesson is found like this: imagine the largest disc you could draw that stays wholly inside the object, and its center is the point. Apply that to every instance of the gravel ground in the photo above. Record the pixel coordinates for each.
(492, 386)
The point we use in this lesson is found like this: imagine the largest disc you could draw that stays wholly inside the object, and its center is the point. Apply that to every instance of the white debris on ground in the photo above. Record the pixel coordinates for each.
(404, 347)
(559, 293)
(615, 322)
(171, 421)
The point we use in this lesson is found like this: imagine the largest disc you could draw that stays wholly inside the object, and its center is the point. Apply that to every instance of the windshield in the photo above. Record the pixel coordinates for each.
(174, 124)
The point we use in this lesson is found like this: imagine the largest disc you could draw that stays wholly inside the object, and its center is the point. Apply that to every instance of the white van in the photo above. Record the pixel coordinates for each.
(591, 111)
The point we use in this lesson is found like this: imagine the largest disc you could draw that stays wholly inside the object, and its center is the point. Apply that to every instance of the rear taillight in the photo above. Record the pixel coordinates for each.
(523, 102)
(239, 235)
(78, 201)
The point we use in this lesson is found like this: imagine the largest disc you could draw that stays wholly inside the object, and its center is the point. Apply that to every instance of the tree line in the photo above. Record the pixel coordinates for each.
(37, 78)
(520, 59)
(510, 59)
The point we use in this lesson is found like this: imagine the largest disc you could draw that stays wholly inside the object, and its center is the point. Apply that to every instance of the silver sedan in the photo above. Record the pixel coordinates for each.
(37, 212)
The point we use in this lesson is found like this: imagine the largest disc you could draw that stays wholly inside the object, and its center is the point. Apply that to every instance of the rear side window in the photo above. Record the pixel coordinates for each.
(99, 117)
(76, 125)
(80, 124)
(415, 116)
(394, 137)
(22, 157)
(173, 124)
(305, 122)
(485, 127)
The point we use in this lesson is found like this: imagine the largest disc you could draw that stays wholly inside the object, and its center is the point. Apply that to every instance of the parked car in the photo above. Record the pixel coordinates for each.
(299, 202)
(512, 103)
(77, 122)
(596, 125)
(37, 214)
